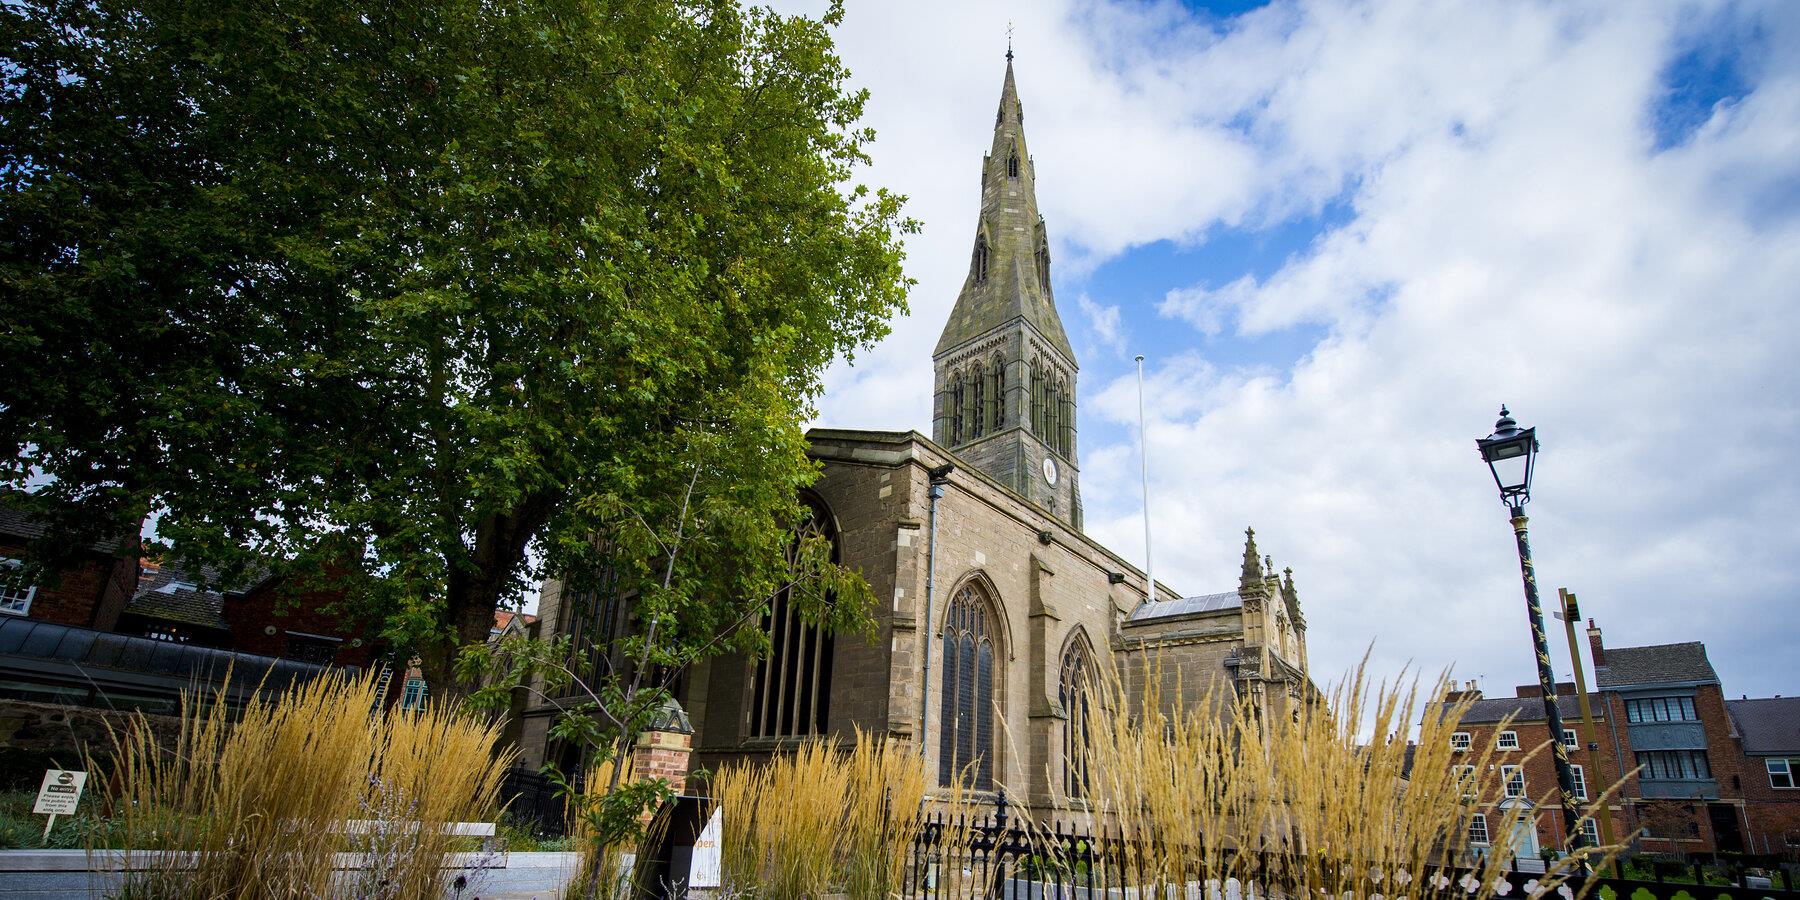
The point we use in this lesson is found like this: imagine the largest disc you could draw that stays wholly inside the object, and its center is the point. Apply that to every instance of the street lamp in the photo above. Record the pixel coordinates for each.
(1510, 453)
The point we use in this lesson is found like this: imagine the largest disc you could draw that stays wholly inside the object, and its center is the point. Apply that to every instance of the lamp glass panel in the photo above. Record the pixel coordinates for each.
(1510, 470)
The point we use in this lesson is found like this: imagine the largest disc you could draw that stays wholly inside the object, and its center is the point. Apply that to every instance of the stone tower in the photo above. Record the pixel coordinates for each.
(1005, 373)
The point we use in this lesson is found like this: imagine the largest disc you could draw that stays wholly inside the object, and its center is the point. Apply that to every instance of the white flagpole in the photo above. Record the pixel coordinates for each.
(1144, 472)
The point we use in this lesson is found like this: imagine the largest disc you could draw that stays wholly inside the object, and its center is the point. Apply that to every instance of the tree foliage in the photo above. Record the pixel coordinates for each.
(431, 290)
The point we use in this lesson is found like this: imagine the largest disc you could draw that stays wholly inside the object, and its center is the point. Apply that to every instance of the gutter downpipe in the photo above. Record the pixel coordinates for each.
(939, 477)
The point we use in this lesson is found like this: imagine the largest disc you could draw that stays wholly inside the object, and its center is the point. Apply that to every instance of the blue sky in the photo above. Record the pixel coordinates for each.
(1343, 233)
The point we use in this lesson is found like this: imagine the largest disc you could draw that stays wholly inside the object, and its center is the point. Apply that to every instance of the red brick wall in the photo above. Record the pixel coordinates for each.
(267, 606)
(89, 595)
(1774, 812)
(1599, 769)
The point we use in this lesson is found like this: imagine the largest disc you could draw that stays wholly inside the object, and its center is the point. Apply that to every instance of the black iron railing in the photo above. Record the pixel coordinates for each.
(530, 799)
(1000, 856)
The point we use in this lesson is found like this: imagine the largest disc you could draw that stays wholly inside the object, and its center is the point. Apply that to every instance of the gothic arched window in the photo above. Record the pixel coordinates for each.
(999, 400)
(1073, 691)
(981, 260)
(1035, 398)
(1043, 267)
(980, 404)
(1065, 412)
(1012, 165)
(956, 407)
(966, 720)
(791, 688)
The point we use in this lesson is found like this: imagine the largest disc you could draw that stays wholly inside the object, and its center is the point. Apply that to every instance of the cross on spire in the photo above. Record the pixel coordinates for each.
(1009, 29)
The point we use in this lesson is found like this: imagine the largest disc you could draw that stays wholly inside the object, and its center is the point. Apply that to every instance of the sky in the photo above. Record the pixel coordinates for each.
(1343, 234)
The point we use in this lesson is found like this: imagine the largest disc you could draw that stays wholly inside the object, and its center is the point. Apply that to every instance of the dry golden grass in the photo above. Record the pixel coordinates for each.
(259, 807)
(821, 819)
(1205, 792)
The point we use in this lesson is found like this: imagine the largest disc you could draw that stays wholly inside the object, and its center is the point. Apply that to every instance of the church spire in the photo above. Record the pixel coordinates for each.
(1005, 373)
(1009, 265)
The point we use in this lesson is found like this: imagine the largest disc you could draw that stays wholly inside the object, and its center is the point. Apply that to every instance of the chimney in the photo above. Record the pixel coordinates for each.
(1596, 649)
(1469, 691)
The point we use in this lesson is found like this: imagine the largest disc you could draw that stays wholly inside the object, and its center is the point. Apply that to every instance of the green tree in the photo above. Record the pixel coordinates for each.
(431, 293)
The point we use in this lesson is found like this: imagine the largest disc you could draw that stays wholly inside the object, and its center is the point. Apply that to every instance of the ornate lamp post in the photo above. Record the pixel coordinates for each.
(1510, 453)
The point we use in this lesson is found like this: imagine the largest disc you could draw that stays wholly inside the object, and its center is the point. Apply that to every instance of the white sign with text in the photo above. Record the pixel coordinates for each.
(704, 868)
(60, 793)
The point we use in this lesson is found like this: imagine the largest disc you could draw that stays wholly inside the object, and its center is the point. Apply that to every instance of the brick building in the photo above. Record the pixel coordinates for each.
(984, 646)
(1701, 774)
(264, 616)
(1768, 733)
(1515, 727)
(90, 593)
(1676, 732)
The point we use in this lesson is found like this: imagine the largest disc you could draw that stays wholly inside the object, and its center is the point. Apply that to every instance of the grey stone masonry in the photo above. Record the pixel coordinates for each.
(1004, 391)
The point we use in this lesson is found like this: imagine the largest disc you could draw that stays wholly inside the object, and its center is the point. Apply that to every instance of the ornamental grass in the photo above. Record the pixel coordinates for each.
(1315, 799)
(821, 819)
(260, 801)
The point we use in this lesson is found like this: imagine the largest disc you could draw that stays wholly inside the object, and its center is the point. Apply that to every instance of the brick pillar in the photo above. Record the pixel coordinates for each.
(663, 754)
(663, 749)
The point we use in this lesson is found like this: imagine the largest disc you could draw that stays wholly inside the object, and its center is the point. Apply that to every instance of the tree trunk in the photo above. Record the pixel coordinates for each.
(472, 593)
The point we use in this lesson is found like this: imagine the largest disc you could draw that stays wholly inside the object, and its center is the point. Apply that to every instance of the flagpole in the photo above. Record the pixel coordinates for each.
(1144, 472)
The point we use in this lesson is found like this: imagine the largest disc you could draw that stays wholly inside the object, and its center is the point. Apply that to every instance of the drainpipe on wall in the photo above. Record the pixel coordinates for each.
(940, 476)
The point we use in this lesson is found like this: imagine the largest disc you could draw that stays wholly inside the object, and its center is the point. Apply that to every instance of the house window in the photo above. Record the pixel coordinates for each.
(792, 684)
(1672, 765)
(1590, 833)
(966, 720)
(1570, 740)
(15, 590)
(1579, 780)
(1073, 693)
(1478, 830)
(165, 632)
(1507, 740)
(1514, 778)
(1460, 741)
(311, 650)
(1660, 709)
(413, 697)
(1781, 772)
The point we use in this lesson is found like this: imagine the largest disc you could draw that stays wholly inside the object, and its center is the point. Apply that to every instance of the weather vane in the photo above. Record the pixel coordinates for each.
(1009, 39)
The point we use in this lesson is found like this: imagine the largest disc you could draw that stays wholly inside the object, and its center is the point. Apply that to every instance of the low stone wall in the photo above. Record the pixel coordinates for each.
(38, 736)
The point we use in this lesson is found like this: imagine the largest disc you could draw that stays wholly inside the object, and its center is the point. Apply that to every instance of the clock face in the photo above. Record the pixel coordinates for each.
(1049, 470)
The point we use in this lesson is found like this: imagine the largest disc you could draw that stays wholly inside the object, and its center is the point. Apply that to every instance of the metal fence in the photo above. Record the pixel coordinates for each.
(1000, 856)
(530, 799)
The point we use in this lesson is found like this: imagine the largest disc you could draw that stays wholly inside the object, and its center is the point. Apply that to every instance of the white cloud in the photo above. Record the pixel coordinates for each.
(1514, 234)
(1103, 321)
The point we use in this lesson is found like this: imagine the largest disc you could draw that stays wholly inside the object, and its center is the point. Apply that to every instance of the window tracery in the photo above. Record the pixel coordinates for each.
(791, 686)
(966, 719)
(1073, 691)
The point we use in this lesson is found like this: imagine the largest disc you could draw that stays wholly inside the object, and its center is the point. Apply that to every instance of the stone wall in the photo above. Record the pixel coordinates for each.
(37, 736)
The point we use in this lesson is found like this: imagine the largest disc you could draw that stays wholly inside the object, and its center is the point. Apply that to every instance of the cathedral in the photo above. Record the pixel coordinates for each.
(995, 607)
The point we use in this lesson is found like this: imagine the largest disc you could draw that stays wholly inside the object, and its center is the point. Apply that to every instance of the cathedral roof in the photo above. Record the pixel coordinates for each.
(1186, 606)
(1014, 283)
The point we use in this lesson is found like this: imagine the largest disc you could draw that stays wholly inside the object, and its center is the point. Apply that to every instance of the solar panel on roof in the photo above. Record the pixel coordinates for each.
(1181, 606)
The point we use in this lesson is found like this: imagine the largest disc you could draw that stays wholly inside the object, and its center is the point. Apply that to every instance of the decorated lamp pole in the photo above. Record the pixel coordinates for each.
(1510, 453)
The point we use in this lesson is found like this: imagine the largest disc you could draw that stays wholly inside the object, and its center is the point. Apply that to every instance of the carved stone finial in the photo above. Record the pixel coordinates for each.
(1252, 576)
(1292, 597)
